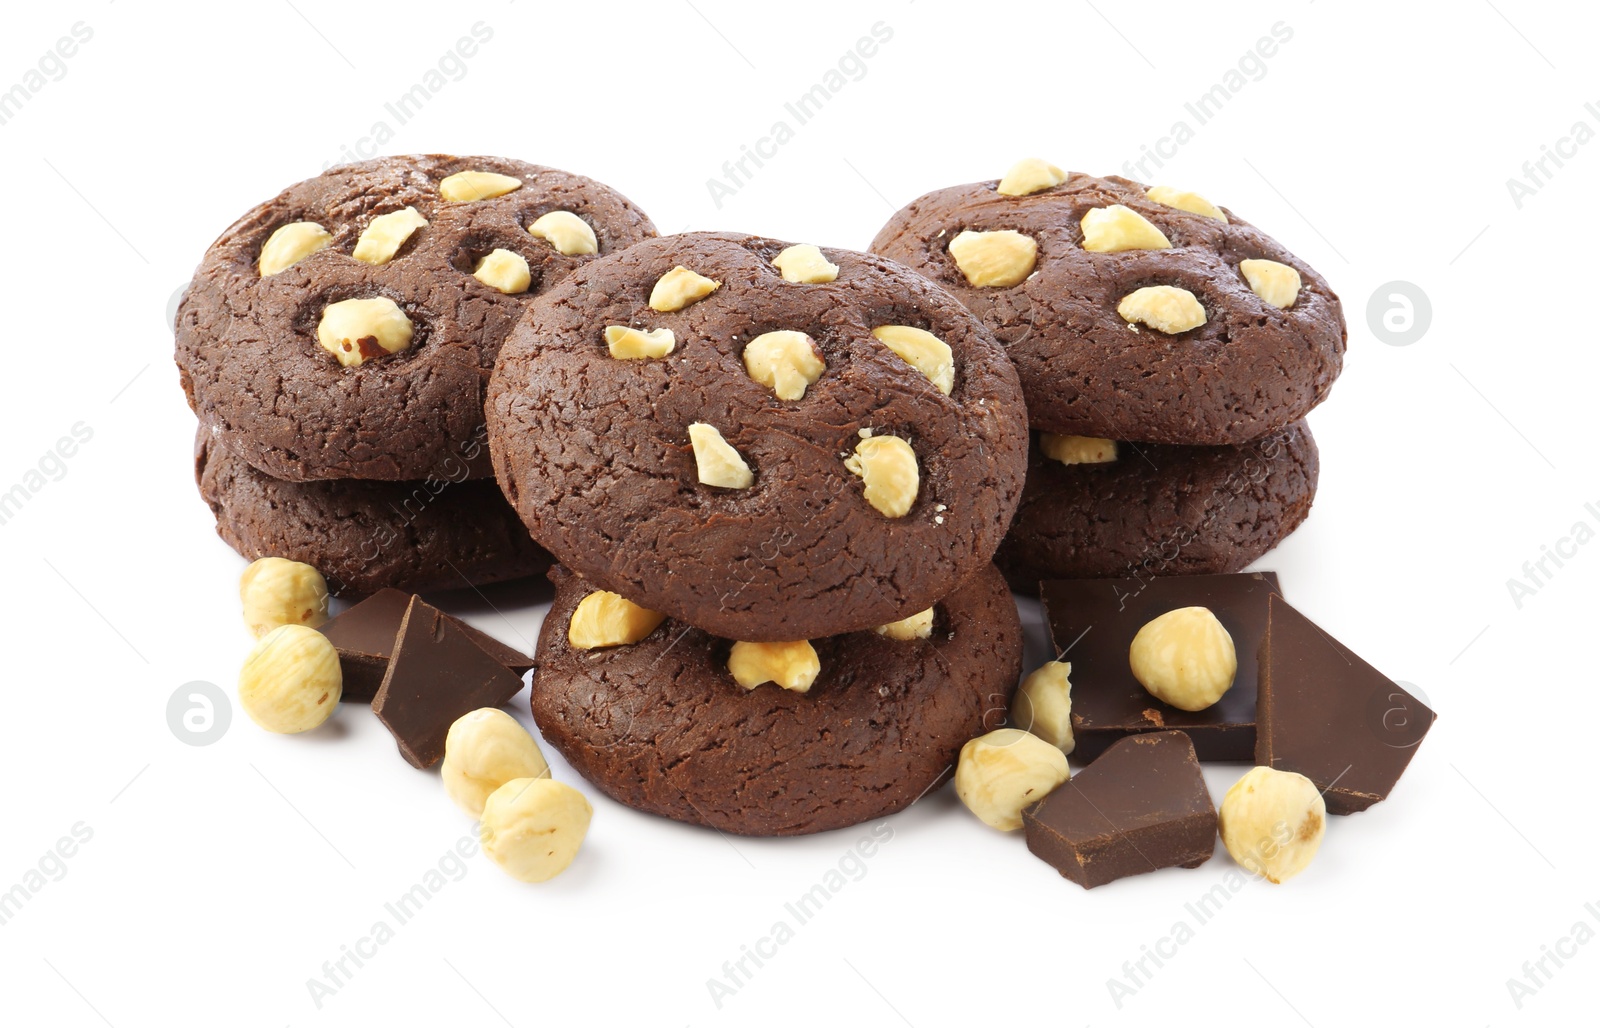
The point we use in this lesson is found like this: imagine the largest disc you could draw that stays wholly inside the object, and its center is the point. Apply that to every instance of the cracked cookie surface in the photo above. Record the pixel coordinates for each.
(247, 342)
(661, 726)
(826, 487)
(1252, 368)
(1160, 510)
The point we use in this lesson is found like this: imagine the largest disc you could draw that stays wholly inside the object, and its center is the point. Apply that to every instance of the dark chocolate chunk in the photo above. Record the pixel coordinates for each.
(365, 635)
(1141, 807)
(1094, 622)
(1331, 716)
(436, 674)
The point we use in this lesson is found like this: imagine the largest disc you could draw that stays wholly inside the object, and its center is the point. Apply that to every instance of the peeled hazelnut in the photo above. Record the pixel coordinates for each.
(533, 827)
(1117, 228)
(805, 263)
(1277, 284)
(1078, 449)
(505, 271)
(1001, 258)
(1272, 823)
(790, 665)
(359, 330)
(565, 231)
(631, 344)
(1006, 771)
(785, 362)
(465, 186)
(718, 463)
(291, 681)
(276, 592)
(1166, 309)
(483, 751)
(606, 619)
(386, 234)
(922, 350)
(679, 288)
(888, 470)
(1184, 658)
(1043, 705)
(291, 244)
(1194, 203)
(917, 626)
(1030, 175)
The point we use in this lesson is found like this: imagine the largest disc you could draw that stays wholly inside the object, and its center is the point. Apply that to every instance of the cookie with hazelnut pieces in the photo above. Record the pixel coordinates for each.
(1133, 313)
(364, 536)
(764, 440)
(779, 738)
(346, 328)
(1094, 508)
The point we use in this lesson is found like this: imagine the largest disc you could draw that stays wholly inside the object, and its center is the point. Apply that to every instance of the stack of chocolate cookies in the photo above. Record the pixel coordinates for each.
(1168, 352)
(774, 477)
(336, 343)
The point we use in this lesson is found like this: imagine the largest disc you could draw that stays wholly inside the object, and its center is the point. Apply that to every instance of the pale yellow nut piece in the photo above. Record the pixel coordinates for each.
(534, 827)
(1277, 284)
(359, 330)
(275, 592)
(1194, 203)
(466, 186)
(679, 288)
(505, 271)
(1117, 228)
(805, 263)
(1006, 771)
(887, 467)
(718, 463)
(785, 362)
(1272, 823)
(386, 234)
(484, 750)
(606, 619)
(1078, 449)
(1030, 175)
(1168, 309)
(789, 665)
(1184, 658)
(632, 344)
(922, 350)
(917, 626)
(291, 681)
(1043, 705)
(1000, 259)
(291, 244)
(565, 231)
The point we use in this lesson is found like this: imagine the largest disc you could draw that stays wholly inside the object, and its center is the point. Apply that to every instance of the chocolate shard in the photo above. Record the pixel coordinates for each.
(436, 673)
(1331, 716)
(365, 635)
(1142, 806)
(1094, 622)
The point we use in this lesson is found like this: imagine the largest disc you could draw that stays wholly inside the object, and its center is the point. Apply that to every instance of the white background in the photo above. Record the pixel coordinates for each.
(1377, 145)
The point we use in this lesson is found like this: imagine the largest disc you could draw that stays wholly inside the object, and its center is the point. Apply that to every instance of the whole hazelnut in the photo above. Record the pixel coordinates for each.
(484, 750)
(1272, 822)
(291, 682)
(276, 592)
(533, 827)
(1184, 658)
(1002, 773)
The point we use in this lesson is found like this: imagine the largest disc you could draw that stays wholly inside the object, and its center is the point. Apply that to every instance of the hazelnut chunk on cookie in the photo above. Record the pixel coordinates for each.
(679, 288)
(785, 362)
(789, 665)
(291, 244)
(999, 259)
(1030, 175)
(1168, 309)
(632, 344)
(718, 463)
(605, 619)
(1117, 228)
(468, 186)
(805, 263)
(1183, 200)
(356, 331)
(922, 350)
(565, 231)
(386, 234)
(1277, 284)
(887, 467)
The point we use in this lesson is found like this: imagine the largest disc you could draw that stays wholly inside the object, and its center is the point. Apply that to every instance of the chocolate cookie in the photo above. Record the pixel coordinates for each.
(441, 533)
(731, 443)
(1159, 510)
(264, 335)
(662, 726)
(1147, 322)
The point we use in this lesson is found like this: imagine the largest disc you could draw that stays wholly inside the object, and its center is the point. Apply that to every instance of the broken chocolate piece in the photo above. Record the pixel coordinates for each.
(1141, 807)
(1331, 716)
(365, 634)
(436, 673)
(1094, 621)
